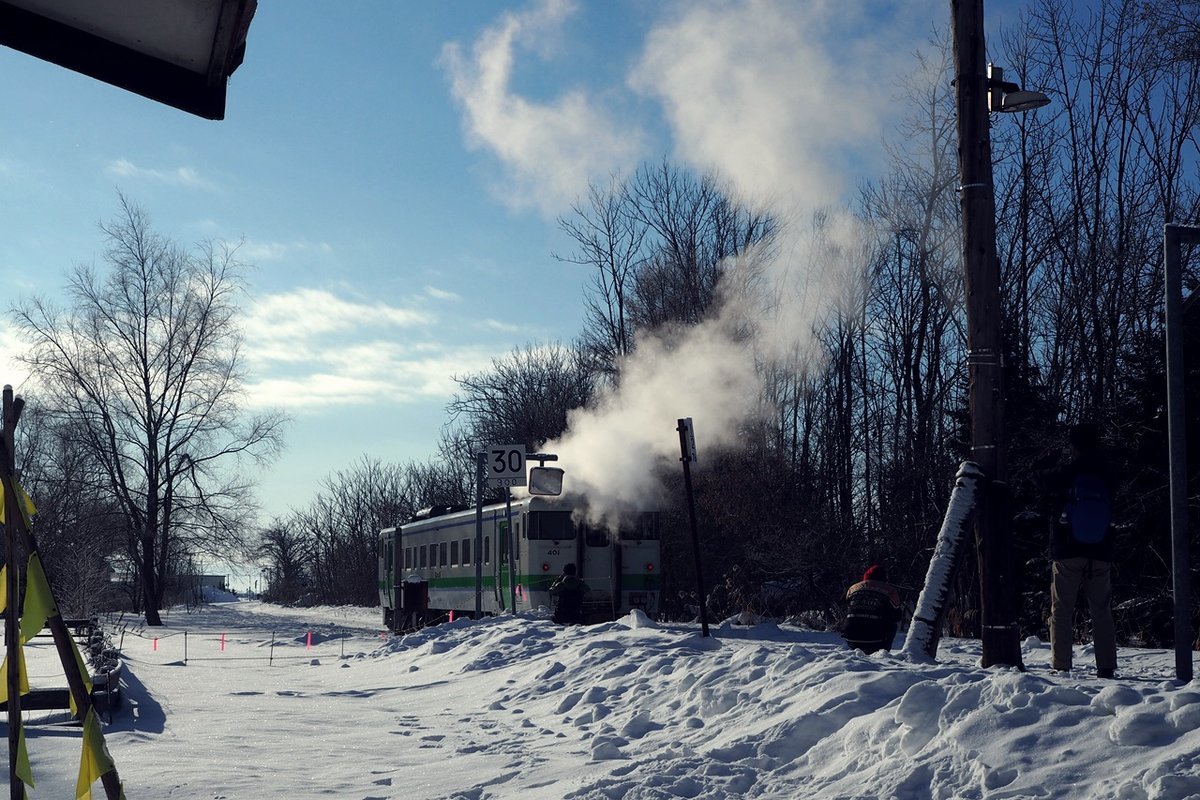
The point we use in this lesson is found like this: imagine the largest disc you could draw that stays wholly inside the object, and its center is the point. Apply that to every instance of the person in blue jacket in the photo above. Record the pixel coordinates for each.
(1081, 549)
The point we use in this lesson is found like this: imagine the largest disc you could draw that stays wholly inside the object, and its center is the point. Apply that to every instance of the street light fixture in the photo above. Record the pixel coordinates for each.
(1005, 96)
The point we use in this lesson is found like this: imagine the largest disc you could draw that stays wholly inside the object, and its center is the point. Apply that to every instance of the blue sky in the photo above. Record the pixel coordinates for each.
(395, 170)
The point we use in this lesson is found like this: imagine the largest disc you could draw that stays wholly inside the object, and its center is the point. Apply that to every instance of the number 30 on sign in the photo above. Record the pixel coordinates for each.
(506, 465)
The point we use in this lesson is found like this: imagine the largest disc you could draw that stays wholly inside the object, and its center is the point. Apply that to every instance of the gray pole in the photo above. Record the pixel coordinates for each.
(510, 535)
(1176, 432)
(480, 465)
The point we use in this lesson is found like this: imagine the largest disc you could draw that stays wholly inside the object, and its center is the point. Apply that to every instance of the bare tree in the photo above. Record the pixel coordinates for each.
(609, 239)
(1175, 25)
(339, 529)
(658, 242)
(79, 529)
(286, 556)
(912, 345)
(524, 398)
(146, 365)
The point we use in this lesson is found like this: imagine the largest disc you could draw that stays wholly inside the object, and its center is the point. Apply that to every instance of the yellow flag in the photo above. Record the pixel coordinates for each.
(23, 675)
(39, 600)
(24, 771)
(84, 673)
(94, 761)
(23, 502)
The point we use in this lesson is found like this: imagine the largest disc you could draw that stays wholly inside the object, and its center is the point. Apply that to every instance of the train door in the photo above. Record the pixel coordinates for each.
(504, 584)
(595, 548)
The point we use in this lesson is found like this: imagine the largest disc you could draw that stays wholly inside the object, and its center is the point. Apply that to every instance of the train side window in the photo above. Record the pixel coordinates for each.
(408, 557)
(466, 551)
(646, 527)
(454, 552)
(423, 557)
(442, 559)
(487, 549)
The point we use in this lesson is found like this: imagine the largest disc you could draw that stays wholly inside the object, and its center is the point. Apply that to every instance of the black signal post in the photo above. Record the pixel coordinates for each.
(687, 449)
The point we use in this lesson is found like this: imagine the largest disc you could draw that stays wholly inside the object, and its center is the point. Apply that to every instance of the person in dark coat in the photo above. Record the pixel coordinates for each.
(874, 612)
(569, 590)
(1081, 549)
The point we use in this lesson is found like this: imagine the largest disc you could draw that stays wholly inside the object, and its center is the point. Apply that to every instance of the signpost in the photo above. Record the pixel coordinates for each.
(506, 468)
(687, 449)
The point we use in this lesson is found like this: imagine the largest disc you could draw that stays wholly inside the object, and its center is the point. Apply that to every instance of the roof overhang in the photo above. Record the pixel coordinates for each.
(178, 52)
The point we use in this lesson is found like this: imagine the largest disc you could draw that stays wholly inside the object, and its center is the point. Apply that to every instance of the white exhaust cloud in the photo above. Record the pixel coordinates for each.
(786, 101)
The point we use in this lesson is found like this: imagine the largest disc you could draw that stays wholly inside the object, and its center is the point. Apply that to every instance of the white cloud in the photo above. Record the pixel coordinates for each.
(316, 349)
(442, 294)
(180, 176)
(373, 373)
(256, 252)
(497, 325)
(11, 373)
(551, 150)
(302, 314)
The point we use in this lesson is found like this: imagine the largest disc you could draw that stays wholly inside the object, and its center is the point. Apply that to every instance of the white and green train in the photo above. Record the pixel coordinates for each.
(431, 561)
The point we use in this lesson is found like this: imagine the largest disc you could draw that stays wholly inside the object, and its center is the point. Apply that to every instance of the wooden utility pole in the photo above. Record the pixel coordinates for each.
(993, 525)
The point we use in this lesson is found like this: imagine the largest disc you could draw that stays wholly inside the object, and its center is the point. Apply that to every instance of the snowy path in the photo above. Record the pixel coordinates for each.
(523, 708)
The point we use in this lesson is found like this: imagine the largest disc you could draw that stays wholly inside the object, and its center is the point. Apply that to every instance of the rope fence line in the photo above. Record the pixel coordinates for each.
(223, 644)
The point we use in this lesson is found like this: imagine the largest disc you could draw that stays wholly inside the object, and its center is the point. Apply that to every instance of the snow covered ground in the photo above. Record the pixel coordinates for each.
(520, 707)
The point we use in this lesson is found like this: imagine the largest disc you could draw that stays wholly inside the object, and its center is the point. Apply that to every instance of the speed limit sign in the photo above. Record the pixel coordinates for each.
(506, 465)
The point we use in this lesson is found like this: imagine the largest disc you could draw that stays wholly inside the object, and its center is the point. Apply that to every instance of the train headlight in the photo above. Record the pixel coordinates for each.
(649, 567)
(545, 567)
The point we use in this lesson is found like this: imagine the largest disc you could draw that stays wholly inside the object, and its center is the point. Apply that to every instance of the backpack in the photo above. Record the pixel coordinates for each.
(1089, 508)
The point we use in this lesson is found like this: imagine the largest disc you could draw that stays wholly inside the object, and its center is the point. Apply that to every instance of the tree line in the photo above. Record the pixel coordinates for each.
(851, 459)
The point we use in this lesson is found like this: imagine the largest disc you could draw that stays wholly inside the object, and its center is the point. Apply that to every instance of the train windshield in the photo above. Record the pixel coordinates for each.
(551, 525)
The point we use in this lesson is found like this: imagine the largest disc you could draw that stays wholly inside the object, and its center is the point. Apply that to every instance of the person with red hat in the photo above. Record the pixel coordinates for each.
(874, 612)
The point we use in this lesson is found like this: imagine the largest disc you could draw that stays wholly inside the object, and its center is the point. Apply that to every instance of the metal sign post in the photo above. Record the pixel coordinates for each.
(506, 468)
(510, 535)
